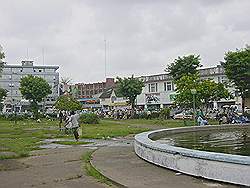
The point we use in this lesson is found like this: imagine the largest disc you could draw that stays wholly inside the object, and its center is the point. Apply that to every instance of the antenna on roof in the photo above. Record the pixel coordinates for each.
(105, 56)
(27, 53)
(43, 55)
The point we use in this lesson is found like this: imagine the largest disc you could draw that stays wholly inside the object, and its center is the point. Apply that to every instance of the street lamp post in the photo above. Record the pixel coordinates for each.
(193, 91)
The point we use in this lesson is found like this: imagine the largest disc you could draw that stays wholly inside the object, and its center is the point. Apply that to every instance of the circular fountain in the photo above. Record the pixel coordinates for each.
(167, 148)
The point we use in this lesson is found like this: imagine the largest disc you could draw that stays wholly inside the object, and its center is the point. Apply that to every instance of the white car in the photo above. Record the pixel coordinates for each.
(182, 116)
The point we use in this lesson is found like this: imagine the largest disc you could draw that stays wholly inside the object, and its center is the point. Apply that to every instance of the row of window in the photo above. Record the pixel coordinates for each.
(90, 92)
(53, 85)
(92, 86)
(153, 87)
(10, 77)
(16, 70)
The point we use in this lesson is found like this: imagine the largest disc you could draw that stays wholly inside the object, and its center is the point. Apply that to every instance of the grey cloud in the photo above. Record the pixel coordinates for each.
(142, 36)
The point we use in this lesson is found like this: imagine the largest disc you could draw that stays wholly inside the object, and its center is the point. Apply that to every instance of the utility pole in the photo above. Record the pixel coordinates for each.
(43, 55)
(194, 91)
(105, 57)
(27, 53)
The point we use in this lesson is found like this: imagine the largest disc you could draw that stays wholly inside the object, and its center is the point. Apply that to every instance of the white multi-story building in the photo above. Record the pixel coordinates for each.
(159, 90)
(10, 80)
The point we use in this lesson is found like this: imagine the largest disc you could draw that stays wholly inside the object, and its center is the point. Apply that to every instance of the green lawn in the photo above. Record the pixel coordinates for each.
(18, 139)
(24, 136)
(109, 129)
(163, 123)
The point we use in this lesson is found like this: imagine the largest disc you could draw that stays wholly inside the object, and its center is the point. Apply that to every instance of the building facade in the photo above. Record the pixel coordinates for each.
(110, 99)
(88, 93)
(159, 90)
(10, 80)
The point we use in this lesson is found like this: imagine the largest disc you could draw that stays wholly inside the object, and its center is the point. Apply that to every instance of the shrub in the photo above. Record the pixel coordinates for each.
(15, 117)
(165, 113)
(155, 115)
(89, 118)
(2, 117)
(143, 115)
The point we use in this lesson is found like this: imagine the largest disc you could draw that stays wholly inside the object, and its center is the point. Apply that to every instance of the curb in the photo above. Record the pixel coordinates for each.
(109, 179)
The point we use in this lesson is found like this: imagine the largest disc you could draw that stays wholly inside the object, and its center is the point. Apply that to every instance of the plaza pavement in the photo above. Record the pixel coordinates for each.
(63, 168)
(50, 168)
(122, 165)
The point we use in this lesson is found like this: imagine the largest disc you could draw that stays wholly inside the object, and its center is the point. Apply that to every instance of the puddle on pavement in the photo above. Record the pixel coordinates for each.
(93, 143)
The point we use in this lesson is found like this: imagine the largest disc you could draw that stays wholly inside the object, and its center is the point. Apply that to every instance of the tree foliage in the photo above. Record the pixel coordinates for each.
(237, 69)
(130, 87)
(34, 89)
(186, 65)
(206, 91)
(65, 81)
(67, 103)
(2, 56)
(184, 97)
(3, 93)
(211, 91)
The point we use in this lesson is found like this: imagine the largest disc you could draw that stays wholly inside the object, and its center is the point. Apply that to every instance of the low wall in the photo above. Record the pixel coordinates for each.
(217, 166)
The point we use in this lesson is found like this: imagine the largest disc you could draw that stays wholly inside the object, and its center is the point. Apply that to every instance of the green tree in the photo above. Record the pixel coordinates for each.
(186, 65)
(130, 87)
(237, 69)
(2, 56)
(67, 103)
(210, 91)
(184, 97)
(206, 91)
(3, 93)
(34, 89)
(65, 81)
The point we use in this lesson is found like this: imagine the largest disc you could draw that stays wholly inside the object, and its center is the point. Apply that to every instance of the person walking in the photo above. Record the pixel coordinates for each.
(73, 124)
(60, 120)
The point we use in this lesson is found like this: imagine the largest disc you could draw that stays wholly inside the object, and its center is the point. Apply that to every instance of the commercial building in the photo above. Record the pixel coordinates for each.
(10, 80)
(88, 93)
(110, 98)
(159, 90)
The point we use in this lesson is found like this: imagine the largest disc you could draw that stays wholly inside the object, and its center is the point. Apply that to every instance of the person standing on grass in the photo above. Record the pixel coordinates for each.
(73, 124)
(60, 119)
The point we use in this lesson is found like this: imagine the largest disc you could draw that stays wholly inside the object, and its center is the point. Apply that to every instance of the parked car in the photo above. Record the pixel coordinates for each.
(182, 116)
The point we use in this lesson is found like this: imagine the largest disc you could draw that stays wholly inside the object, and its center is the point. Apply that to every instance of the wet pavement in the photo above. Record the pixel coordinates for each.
(61, 166)
(93, 143)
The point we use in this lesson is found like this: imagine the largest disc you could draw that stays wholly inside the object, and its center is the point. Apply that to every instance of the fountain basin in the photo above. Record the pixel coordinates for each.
(211, 165)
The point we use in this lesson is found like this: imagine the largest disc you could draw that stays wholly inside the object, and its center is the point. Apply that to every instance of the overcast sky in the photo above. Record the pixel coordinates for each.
(143, 36)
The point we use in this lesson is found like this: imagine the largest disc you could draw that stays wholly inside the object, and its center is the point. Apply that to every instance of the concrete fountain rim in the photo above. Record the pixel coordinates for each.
(145, 139)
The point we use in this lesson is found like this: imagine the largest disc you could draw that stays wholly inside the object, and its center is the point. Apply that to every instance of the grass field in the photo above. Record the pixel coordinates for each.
(18, 139)
(22, 137)
(109, 129)
(164, 123)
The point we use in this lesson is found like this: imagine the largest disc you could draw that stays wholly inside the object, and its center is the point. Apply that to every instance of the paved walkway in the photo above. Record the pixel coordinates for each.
(122, 165)
(49, 168)
(63, 168)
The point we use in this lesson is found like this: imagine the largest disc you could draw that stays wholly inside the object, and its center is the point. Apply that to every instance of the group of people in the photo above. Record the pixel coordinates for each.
(115, 113)
(232, 118)
(202, 121)
(69, 122)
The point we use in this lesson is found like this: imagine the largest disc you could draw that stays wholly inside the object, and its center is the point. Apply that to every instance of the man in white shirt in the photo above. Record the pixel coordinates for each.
(73, 124)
